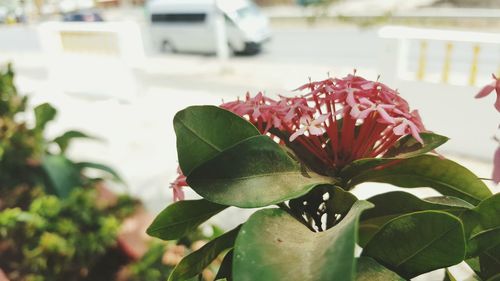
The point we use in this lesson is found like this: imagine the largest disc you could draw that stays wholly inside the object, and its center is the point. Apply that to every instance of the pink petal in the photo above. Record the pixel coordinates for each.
(497, 102)
(315, 131)
(486, 90)
(496, 166)
(400, 129)
(415, 133)
(320, 119)
(297, 134)
(385, 115)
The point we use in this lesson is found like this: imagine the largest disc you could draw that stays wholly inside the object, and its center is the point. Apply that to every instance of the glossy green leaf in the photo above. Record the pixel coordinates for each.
(194, 263)
(408, 146)
(369, 269)
(62, 174)
(204, 131)
(64, 140)
(394, 204)
(182, 217)
(44, 113)
(486, 235)
(418, 242)
(272, 245)
(445, 176)
(254, 173)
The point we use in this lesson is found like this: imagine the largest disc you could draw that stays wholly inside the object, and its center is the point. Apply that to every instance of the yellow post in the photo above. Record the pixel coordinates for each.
(473, 69)
(422, 60)
(447, 62)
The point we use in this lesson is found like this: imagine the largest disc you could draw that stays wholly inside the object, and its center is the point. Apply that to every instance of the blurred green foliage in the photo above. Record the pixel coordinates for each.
(53, 223)
(59, 239)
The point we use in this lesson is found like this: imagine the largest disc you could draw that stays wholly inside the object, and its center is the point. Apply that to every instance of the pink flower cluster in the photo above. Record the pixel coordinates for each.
(337, 120)
(486, 90)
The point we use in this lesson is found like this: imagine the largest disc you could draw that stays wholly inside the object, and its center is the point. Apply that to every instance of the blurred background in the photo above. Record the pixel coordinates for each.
(121, 69)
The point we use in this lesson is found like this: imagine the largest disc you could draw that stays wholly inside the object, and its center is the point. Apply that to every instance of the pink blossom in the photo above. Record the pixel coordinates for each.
(486, 90)
(313, 126)
(496, 166)
(338, 120)
(177, 185)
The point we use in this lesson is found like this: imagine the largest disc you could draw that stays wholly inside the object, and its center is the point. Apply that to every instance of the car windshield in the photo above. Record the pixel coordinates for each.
(248, 11)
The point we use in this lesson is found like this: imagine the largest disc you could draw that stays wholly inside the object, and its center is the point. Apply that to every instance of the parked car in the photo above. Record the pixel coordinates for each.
(84, 16)
(189, 25)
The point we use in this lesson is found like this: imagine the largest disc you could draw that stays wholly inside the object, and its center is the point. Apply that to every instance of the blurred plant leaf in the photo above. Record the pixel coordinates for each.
(194, 263)
(44, 113)
(182, 217)
(64, 140)
(97, 166)
(63, 175)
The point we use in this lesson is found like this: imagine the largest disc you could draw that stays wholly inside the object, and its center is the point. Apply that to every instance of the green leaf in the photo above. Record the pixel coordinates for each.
(64, 139)
(445, 176)
(408, 146)
(63, 176)
(204, 131)
(486, 235)
(44, 113)
(101, 167)
(182, 218)
(370, 270)
(394, 204)
(254, 173)
(272, 245)
(490, 262)
(419, 242)
(194, 263)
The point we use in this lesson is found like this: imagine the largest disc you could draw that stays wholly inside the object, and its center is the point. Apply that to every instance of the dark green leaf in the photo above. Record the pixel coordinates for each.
(43, 114)
(419, 242)
(101, 167)
(394, 204)
(272, 245)
(445, 176)
(370, 270)
(408, 146)
(194, 263)
(226, 267)
(181, 218)
(486, 234)
(64, 139)
(63, 176)
(254, 173)
(204, 131)
(490, 262)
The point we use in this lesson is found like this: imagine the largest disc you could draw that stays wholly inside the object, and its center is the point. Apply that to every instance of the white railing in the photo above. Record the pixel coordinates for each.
(439, 72)
(96, 59)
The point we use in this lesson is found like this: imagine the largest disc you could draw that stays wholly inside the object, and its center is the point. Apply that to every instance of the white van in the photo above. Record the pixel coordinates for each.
(189, 25)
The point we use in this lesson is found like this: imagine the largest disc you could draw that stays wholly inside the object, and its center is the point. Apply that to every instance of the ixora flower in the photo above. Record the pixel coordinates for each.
(486, 90)
(337, 120)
